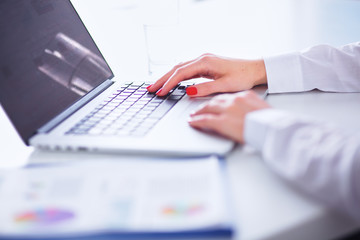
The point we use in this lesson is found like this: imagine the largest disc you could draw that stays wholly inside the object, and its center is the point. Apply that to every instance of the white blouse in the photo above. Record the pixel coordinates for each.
(315, 156)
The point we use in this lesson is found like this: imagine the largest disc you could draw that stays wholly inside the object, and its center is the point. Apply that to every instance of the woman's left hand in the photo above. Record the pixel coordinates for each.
(225, 114)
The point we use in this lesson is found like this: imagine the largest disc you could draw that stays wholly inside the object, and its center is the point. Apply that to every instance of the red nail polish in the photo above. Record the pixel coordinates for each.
(158, 92)
(191, 91)
(149, 86)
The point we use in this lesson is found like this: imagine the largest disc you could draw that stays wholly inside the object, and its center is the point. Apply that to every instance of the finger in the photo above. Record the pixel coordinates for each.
(208, 108)
(196, 68)
(206, 122)
(159, 83)
(206, 88)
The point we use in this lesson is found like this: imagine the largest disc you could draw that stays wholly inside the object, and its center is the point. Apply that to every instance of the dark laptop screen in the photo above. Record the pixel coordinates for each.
(48, 61)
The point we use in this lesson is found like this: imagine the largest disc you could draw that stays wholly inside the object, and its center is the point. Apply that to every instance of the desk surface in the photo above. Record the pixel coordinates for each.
(265, 206)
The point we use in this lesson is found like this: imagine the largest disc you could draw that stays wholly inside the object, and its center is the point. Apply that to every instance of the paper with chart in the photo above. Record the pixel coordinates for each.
(125, 195)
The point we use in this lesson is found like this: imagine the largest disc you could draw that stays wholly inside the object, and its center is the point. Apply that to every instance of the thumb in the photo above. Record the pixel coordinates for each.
(204, 89)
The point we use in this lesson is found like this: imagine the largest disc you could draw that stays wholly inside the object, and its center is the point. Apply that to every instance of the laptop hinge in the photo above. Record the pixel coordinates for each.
(76, 106)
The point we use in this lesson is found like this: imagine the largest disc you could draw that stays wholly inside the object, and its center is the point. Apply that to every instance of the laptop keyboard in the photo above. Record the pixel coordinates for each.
(130, 111)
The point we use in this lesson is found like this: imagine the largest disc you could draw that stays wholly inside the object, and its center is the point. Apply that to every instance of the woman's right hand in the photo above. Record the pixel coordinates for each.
(229, 75)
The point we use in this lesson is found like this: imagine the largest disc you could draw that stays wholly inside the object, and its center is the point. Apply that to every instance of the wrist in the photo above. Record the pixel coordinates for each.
(259, 72)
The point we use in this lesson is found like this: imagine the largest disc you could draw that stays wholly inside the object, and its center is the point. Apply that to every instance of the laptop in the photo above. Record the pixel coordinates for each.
(60, 94)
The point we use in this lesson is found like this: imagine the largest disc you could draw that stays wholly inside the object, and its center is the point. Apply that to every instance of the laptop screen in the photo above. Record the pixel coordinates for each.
(48, 61)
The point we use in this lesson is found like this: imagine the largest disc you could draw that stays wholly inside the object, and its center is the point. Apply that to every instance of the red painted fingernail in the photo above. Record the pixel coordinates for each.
(149, 86)
(158, 92)
(191, 91)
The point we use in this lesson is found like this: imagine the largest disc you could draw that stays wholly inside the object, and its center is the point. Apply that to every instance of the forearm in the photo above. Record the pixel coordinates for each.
(314, 156)
(321, 67)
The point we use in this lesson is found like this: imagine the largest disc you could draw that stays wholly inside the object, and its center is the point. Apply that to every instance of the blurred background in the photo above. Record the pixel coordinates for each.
(234, 28)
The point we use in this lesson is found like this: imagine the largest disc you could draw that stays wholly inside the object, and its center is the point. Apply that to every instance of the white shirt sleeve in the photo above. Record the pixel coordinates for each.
(315, 156)
(312, 155)
(321, 67)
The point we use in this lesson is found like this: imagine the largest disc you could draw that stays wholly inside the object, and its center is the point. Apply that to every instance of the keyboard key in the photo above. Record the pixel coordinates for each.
(156, 100)
(139, 133)
(110, 131)
(95, 131)
(174, 98)
(149, 95)
(134, 97)
(131, 88)
(119, 123)
(124, 132)
(178, 92)
(162, 109)
(140, 92)
(120, 97)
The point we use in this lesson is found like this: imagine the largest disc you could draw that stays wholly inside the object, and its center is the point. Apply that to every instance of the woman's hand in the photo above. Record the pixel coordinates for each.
(229, 75)
(225, 114)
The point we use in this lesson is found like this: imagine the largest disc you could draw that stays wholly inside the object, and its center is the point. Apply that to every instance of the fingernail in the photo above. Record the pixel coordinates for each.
(191, 91)
(158, 92)
(149, 86)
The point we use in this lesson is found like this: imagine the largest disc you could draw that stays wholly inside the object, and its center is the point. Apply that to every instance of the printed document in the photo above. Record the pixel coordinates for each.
(141, 195)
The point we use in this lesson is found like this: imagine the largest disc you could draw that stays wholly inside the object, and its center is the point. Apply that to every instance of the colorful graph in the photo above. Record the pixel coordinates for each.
(183, 209)
(44, 216)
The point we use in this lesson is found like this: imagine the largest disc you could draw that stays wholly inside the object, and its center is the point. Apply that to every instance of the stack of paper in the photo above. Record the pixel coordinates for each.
(132, 198)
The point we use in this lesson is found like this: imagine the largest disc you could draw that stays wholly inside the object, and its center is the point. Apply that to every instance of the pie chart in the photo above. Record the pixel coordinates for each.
(181, 210)
(44, 216)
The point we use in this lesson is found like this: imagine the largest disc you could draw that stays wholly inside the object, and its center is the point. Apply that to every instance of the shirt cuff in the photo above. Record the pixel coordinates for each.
(258, 124)
(284, 73)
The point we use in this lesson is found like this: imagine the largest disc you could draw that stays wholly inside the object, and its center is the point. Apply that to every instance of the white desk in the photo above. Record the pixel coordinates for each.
(265, 206)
